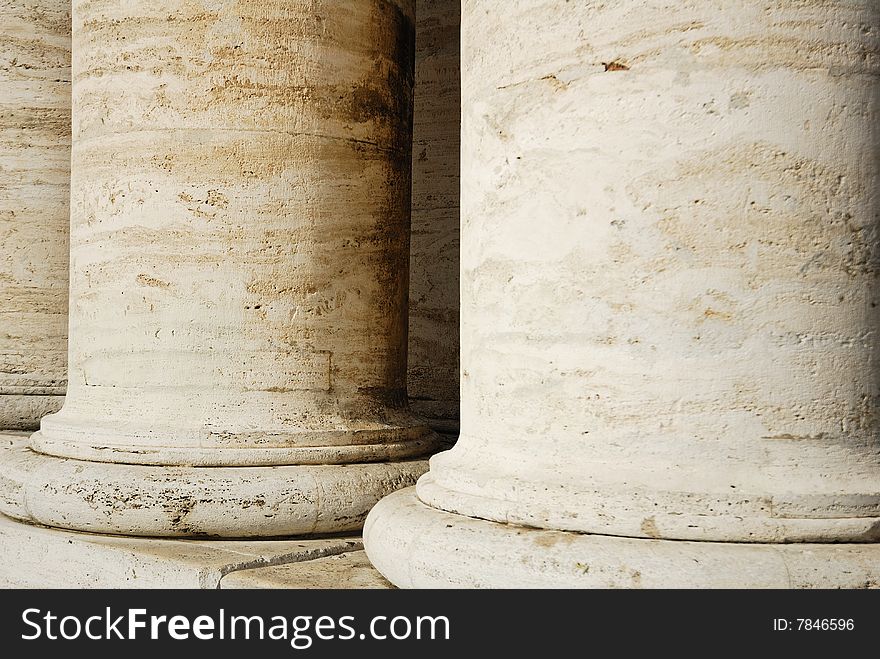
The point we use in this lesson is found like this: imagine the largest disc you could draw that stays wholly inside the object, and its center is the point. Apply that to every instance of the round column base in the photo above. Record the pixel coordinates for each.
(416, 546)
(229, 502)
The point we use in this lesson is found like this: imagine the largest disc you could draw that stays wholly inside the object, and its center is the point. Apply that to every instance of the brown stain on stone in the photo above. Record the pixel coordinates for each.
(636, 579)
(366, 102)
(762, 46)
(712, 314)
(558, 84)
(833, 240)
(615, 66)
(649, 528)
(257, 65)
(546, 540)
(146, 280)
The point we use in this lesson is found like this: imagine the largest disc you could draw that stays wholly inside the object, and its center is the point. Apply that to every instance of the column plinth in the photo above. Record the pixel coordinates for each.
(669, 301)
(239, 255)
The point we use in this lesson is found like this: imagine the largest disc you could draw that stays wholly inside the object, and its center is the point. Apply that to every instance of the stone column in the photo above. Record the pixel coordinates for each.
(434, 300)
(669, 303)
(239, 252)
(34, 209)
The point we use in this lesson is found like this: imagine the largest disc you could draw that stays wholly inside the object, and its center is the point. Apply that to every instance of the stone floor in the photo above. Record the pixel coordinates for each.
(37, 557)
(349, 570)
(40, 557)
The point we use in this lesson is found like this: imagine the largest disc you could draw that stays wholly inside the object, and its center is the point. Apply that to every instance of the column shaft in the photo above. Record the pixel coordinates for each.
(34, 208)
(669, 281)
(239, 249)
(434, 289)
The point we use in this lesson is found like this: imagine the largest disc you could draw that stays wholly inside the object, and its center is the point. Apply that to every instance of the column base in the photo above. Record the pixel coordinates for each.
(229, 502)
(416, 546)
(23, 412)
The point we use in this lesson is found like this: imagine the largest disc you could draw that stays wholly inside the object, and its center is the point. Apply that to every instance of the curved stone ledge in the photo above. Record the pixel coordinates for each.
(416, 546)
(232, 502)
(640, 512)
(314, 448)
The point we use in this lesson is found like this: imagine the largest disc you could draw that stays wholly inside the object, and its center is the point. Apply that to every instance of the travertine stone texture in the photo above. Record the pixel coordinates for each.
(239, 243)
(434, 263)
(419, 547)
(34, 209)
(669, 267)
(35, 557)
(670, 271)
(235, 502)
(239, 257)
(349, 570)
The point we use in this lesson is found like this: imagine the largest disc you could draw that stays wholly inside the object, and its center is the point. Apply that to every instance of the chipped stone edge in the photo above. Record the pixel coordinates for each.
(338, 571)
(213, 577)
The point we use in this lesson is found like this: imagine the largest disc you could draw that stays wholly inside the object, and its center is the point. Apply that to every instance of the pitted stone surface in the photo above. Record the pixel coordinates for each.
(34, 207)
(416, 546)
(233, 502)
(240, 205)
(669, 302)
(669, 270)
(239, 245)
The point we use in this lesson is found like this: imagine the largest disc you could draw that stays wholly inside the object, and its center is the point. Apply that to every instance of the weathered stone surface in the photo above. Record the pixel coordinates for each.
(433, 298)
(237, 502)
(41, 28)
(350, 570)
(239, 258)
(36, 557)
(670, 271)
(669, 278)
(417, 546)
(34, 208)
(240, 206)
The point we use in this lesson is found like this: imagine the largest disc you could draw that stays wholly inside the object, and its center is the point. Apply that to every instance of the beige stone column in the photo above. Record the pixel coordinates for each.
(434, 299)
(34, 210)
(669, 303)
(239, 253)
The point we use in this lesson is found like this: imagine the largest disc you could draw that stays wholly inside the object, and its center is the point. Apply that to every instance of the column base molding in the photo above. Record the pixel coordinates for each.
(416, 546)
(23, 412)
(230, 502)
